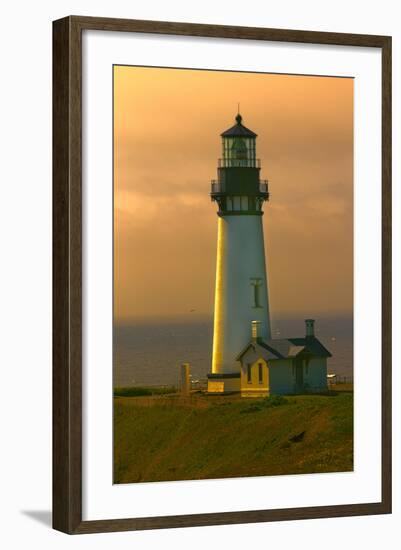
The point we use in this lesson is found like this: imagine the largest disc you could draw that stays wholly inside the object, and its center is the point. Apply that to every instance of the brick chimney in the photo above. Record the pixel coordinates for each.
(255, 330)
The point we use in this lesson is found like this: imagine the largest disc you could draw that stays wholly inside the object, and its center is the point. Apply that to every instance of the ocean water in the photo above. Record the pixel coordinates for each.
(150, 353)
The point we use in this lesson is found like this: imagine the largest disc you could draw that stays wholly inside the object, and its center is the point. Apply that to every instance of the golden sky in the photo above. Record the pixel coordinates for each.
(167, 125)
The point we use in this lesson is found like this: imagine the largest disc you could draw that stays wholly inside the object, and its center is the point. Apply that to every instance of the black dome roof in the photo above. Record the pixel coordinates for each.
(238, 130)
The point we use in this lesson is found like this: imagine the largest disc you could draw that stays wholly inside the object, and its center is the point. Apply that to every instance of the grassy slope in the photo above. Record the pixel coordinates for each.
(169, 438)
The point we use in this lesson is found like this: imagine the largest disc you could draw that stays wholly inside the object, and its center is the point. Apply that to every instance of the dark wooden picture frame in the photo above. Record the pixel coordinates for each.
(67, 274)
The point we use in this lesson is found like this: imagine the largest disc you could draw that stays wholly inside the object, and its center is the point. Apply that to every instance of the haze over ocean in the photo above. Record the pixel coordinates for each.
(150, 352)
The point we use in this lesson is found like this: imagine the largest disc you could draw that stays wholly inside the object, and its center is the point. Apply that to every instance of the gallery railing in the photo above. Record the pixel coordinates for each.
(239, 163)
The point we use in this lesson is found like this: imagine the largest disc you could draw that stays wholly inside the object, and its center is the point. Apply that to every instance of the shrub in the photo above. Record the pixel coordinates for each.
(267, 402)
(275, 401)
(251, 409)
(131, 392)
(138, 391)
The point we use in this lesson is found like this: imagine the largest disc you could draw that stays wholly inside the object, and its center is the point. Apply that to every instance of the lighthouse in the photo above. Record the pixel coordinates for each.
(241, 308)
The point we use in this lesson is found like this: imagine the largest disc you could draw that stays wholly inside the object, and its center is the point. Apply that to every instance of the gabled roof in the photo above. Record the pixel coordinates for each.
(295, 350)
(287, 347)
(268, 353)
(312, 344)
(238, 129)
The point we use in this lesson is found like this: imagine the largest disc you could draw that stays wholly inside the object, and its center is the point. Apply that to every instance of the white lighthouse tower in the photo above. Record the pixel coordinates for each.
(241, 292)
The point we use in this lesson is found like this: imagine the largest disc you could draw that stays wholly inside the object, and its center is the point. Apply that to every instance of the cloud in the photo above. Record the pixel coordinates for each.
(167, 126)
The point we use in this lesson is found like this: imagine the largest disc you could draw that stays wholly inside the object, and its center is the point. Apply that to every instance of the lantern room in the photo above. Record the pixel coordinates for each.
(239, 188)
(239, 146)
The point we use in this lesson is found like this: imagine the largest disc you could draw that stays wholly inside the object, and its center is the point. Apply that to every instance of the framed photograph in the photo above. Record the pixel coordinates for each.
(221, 274)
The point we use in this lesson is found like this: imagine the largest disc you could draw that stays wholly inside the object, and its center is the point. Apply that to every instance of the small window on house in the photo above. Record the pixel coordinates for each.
(260, 373)
(249, 373)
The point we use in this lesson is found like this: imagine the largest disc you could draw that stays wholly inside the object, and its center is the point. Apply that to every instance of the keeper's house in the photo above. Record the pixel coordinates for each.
(276, 366)
(283, 366)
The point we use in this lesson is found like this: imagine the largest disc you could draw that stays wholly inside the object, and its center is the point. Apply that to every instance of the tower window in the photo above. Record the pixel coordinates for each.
(249, 373)
(237, 203)
(239, 149)
(256, 285)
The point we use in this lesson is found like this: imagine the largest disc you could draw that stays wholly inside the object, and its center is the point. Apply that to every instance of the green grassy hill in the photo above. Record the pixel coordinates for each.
(160, 438)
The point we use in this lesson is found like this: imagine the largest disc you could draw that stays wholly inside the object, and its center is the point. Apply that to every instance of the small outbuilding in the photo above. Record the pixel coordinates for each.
(283, 366)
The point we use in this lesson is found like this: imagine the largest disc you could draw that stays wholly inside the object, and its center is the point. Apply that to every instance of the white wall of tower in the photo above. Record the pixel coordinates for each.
(240, 261)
